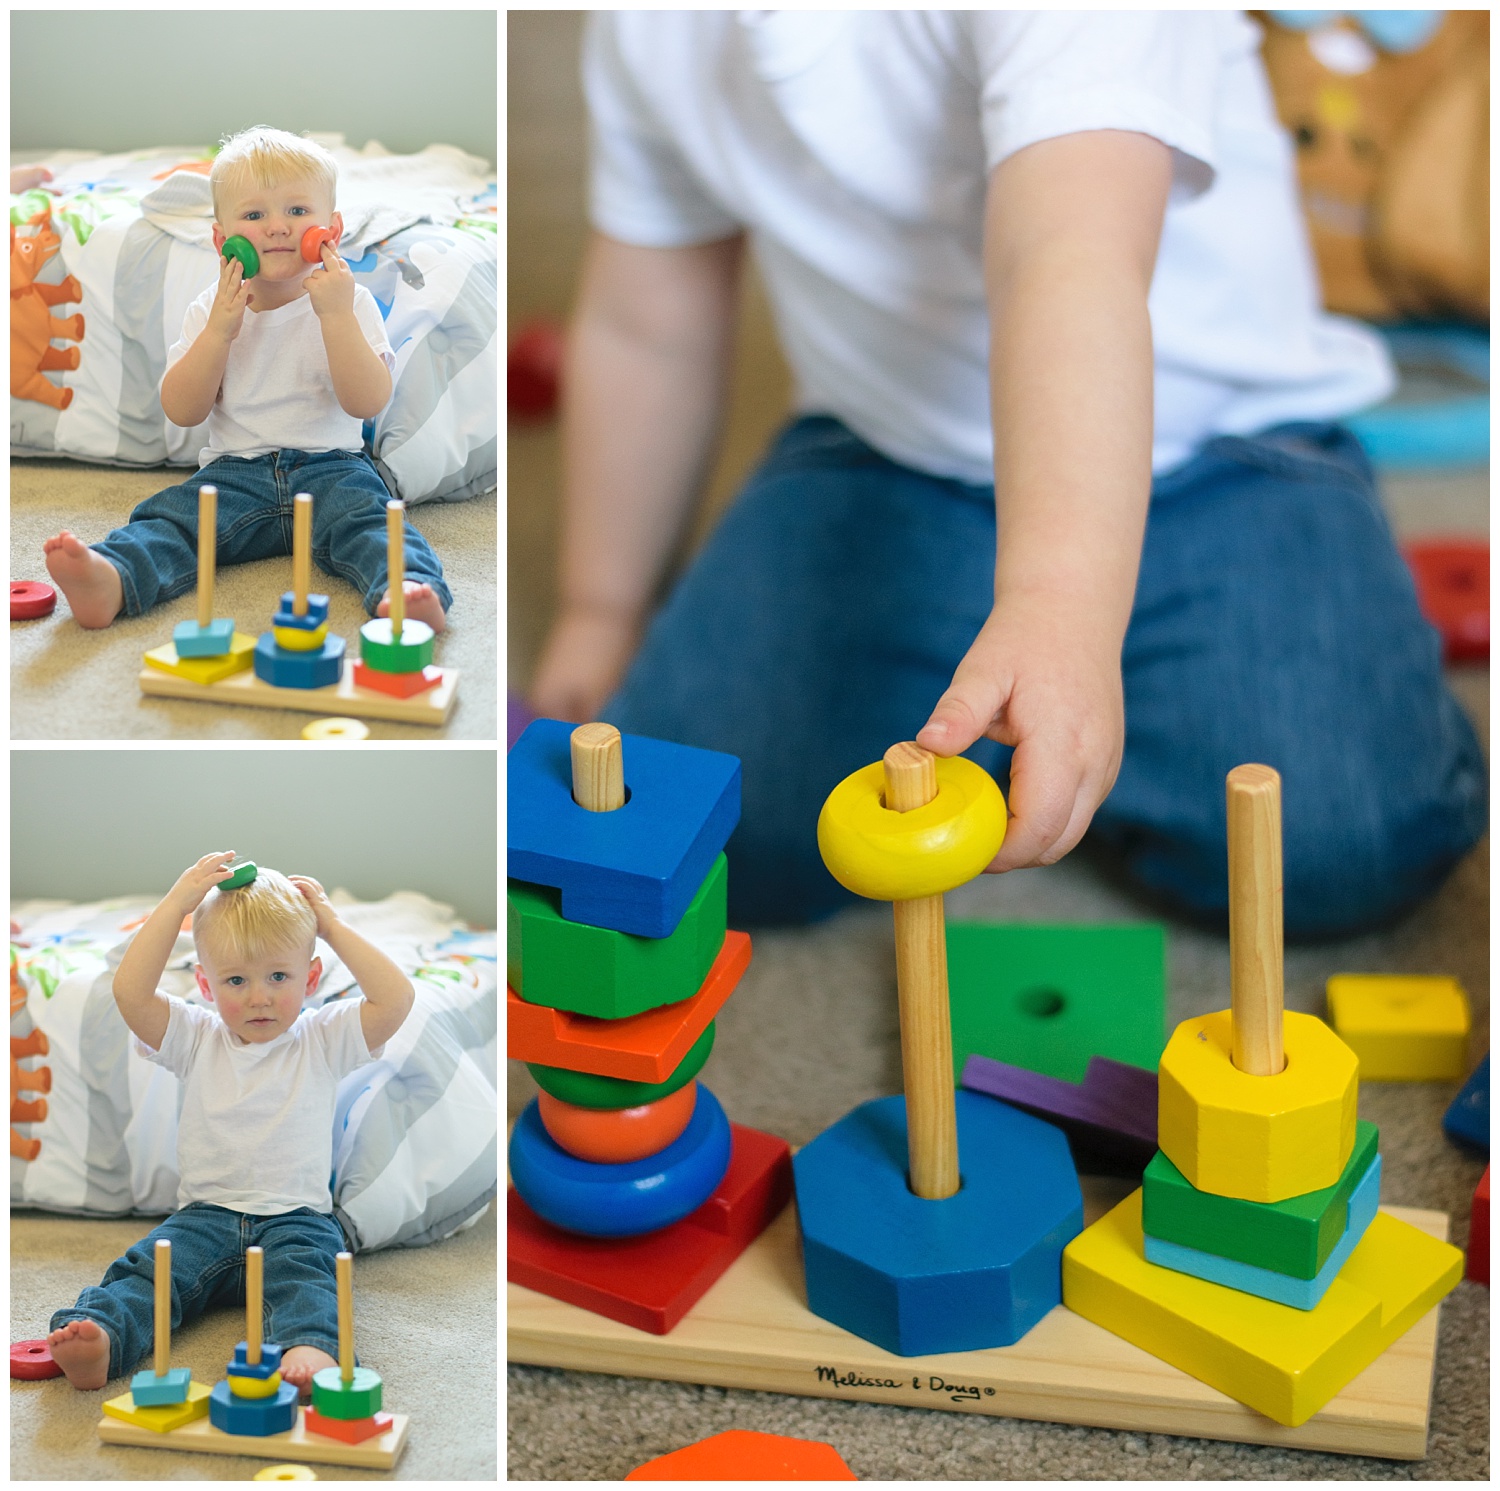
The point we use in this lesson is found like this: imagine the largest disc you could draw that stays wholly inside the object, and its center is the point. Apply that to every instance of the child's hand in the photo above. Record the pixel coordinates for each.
(1054, 693)
(24, 178)
(195, 882)
(227, 314)
(582, 663)
(330, 287)
(318, 900)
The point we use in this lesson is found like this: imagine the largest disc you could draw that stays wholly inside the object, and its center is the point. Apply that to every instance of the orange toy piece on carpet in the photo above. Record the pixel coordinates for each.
(33, 328)
(744, 1455)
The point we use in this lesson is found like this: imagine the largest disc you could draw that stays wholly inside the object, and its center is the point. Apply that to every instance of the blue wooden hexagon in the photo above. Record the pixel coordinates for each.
(637, 868)
(914, 1276)
(257, 1416)
(299, 670)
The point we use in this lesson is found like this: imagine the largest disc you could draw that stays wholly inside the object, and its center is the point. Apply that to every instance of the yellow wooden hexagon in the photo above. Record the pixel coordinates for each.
(1257, 1138)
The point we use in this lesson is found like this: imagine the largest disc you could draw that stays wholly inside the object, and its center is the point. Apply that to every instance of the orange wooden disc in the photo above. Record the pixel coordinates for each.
(614, 1136)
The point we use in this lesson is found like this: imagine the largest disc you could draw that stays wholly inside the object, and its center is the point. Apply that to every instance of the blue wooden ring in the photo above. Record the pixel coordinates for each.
(621, 1200)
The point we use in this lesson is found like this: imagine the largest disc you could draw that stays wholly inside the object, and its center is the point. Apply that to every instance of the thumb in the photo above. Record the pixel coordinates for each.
(961, 716)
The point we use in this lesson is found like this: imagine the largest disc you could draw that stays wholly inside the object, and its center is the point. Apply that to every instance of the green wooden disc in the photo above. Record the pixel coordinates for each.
(590, 1090)
(242, 872)
(379, 651)
(243, 250)
(359, 1400)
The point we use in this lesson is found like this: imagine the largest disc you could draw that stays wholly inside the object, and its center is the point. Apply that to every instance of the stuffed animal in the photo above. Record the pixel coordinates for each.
(32, 325)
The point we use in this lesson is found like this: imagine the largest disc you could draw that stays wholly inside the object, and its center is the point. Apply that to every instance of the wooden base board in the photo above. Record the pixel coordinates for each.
(753, 1330)
(380, 1453)
(343, 698)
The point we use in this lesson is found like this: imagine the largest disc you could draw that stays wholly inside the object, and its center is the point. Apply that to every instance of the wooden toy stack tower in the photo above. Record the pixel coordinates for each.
(1255, 1257)
(298, 652)
(632, 1191)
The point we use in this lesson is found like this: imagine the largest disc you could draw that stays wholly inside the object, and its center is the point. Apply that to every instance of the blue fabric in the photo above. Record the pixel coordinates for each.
(156, 553)
(1274, 621)
(300, 1289)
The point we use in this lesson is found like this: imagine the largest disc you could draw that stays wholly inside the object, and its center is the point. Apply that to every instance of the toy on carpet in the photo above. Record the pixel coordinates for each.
(395, 655)
(1253, 1257)
(745, 1455)
(907, 1256)
(1453, 590)
(346, 1399)
(1468, 1115)
(1478, 1265)
(1403, 1027)
(31, 1361)
(336, 729)
(30, 599)
(632, 1191)
(285, 1473)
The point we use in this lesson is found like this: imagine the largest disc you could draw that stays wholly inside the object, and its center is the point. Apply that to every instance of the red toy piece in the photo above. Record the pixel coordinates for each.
(533, 370)
(651, 1282)
(30, 599)
(745, 1455)
(32, 1360)
(1478, 1267)
(400, 685)
(1453, 590)
(313, 241)
(349, 1431)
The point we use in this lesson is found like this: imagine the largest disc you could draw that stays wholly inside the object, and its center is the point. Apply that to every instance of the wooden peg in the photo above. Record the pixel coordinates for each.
(598, 768)
(395, 576)
(922, 995)
(208, 519)
(344, 1270)
(301, 551)
(161, 1354)
(1253, 803)
(254, 1260)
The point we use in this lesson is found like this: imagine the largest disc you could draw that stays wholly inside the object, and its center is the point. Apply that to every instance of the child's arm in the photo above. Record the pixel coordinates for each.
(1071, 231)
(361, 380)
(145, 1011)
(192, 382)
(645, 385)
(388, 992)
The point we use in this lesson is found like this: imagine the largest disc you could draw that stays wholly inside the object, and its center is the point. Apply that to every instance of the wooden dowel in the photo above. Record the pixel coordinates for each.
(161, 1353)
(344, 1266)
(922, 995)
(598, 768)
(1253, 803)
(254, 1259)
(395, 577)
(208, 518)
(301, 551)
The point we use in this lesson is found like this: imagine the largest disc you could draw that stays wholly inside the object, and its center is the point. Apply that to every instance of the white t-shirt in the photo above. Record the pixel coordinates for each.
(277, 392)
(856, 146)
(255, 1130)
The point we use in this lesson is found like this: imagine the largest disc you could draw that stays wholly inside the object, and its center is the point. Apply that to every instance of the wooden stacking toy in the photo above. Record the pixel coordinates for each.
(253, 1399)
(298, 652)
(395, 655)
(1254, 1256)
(618, 959)
(958, 1258)
(346, 1399)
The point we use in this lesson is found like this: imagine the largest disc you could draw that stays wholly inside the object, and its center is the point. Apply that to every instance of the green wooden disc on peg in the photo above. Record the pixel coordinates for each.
(243, 250)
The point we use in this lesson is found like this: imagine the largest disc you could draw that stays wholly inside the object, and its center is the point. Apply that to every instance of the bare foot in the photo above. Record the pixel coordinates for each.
(298, 1364)
(81, 1349)
(90, 582)
(421, 605)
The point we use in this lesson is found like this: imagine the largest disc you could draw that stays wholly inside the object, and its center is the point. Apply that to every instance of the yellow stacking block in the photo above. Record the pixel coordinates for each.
(296, 639)
(241, 655)
(165, 1418)
(1257, 1138)
(254, 1387)
(1284, 1362)
(1403, 1028)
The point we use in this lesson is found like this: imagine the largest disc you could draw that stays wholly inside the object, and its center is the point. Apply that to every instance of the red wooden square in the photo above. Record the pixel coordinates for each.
(1478, 1267)
(401, 685)
(350, 1431)
(1453, 590)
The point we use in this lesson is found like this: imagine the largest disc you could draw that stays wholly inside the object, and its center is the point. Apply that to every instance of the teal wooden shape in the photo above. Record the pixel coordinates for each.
(1295, 1237)
(192, 640)
(568, 965)
(591, 1090)
(1300, 1294)
(151, 1391)
(1050, 997)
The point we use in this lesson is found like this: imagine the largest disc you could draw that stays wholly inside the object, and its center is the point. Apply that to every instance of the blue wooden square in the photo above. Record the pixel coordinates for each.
(635, 869)
(299, 670)
(1468, 1115)
(317, 612)
(151, 1391)
(269, 1363)
(192, 640)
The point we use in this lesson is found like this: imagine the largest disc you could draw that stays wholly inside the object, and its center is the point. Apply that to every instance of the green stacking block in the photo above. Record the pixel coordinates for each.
(1047, 998)
(590, 1090)
(610, 975)
(1292, 1237)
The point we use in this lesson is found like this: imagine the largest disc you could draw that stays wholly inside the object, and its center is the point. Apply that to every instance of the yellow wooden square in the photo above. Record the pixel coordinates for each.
(1285, 1362)
(1403, 1028)
(165, 1418)
(241, 655)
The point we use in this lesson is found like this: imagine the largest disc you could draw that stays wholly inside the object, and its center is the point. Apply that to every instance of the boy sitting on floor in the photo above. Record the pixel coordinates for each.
(255, 1131)
(284, 391)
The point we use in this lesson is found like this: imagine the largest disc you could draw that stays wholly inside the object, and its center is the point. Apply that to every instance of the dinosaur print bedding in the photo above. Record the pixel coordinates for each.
(106, 258)
(93, 1126)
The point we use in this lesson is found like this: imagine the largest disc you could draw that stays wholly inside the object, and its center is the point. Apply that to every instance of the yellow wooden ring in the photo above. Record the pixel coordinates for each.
(286, 1473)
(336, 729)
(889, 856)
(254, 1387)
(296, 639)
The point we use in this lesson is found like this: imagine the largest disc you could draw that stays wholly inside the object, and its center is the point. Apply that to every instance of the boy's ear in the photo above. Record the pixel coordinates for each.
(202, 978)
(314, 973)
(219, 238)
(336, 222)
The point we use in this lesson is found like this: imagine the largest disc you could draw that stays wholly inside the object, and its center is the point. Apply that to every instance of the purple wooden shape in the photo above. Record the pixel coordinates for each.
(1110, 1115)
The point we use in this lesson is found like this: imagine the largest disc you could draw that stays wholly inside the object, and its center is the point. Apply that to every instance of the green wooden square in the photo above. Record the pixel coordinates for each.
(1292, 1237)
(595, 971)
(1049, 997)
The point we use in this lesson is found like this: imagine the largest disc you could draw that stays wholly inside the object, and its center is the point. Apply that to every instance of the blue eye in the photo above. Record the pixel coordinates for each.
(234, 980)
(279, 978)
(299, 212)
(250, 217)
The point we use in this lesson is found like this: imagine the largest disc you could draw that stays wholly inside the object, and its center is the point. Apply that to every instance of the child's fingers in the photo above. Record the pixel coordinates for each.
(961, 716)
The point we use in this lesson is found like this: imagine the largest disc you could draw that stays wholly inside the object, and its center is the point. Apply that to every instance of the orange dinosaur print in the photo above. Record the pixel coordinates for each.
(25, 1079)
(32, 326)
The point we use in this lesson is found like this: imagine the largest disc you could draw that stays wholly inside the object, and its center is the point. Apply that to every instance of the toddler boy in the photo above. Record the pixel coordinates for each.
(255, 1131)
(284, 390)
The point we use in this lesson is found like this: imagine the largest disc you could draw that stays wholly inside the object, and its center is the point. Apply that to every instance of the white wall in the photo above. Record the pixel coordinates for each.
(122, 80)
(90, 824)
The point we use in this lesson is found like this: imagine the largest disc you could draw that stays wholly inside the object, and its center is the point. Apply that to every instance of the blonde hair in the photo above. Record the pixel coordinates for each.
(270, 912)
(266, 156)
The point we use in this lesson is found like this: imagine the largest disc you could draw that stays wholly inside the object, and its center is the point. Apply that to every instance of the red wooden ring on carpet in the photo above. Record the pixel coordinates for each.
(30, 599)
(32, 1360)
(615, 1136)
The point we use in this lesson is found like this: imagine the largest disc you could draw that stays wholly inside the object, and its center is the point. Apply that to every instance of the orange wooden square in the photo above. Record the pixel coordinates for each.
(748, 1455)
(401, 685)
(350, 1431)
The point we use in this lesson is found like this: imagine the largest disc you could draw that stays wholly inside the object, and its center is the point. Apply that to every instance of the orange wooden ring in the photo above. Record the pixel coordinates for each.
(615, 1136)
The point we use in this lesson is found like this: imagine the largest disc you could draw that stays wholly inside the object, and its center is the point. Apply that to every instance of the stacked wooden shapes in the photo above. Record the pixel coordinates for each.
(632, 1190)
(395, 655)
(1254, 1257)
(1403, 1027)
(298, 652)
(346, 1400)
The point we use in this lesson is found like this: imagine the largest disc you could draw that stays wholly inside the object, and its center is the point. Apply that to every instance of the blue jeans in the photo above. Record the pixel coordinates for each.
(156, 553)
(1274, 621)
(208, 1268)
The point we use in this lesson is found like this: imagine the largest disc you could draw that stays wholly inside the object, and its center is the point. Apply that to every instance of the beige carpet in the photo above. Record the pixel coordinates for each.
(70, 684)
(425, 1319)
